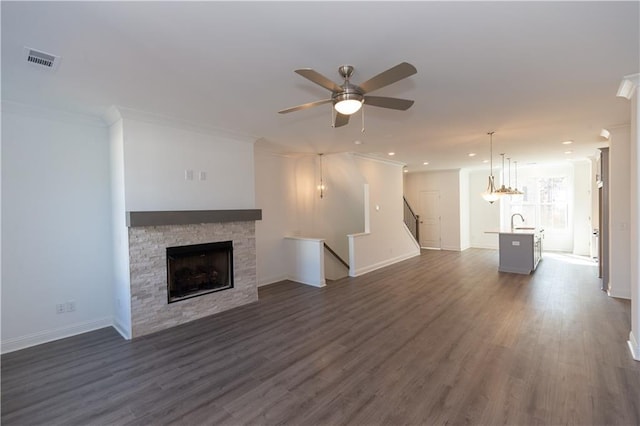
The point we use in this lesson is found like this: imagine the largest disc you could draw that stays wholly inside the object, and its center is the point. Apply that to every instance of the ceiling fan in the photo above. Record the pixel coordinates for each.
(348, 98)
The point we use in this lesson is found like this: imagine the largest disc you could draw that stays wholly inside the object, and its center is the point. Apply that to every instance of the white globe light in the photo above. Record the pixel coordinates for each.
(348, 106)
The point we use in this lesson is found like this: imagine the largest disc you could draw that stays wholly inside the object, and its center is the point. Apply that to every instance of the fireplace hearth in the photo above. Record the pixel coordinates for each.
(199, 269)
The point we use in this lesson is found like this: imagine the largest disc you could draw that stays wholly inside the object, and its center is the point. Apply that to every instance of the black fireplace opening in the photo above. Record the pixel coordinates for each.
(199, 269)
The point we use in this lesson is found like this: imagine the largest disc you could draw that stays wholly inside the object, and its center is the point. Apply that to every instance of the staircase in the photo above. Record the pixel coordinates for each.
(412, 220)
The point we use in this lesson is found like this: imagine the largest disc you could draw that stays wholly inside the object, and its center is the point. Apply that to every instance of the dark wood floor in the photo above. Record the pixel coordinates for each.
(443, 338)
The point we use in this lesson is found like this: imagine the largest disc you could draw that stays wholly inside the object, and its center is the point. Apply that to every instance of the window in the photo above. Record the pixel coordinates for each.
(545, 203)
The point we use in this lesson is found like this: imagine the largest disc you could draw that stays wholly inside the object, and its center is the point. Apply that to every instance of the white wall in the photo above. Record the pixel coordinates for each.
(286, 191)
(276, 195)
(582, 195)
(387, 240)
(340, 211)
(121, 278)
(634, 334)
(619, 212)
(483, 216)
(56, 233)
(465, 208)
(447, 182)
(156, 156)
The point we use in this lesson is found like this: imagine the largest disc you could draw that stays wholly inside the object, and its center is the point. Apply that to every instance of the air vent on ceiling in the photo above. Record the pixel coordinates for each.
(42, 59)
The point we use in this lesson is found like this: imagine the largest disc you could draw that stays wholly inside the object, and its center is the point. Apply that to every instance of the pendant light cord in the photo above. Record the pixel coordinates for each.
(491, 153)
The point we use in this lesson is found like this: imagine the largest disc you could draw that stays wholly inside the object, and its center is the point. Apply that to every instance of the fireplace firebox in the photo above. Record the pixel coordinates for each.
(199, 269)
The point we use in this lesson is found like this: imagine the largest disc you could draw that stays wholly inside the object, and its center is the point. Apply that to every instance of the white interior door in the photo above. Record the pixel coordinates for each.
(429, 219)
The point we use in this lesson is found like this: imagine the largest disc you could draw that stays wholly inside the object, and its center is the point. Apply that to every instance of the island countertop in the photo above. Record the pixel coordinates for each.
(516, 231)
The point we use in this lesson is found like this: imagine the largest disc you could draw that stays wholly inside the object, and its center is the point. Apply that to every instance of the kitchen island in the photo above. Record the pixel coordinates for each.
(520, 250)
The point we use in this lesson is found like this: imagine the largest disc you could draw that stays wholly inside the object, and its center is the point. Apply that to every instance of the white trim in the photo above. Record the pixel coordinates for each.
(304, 238)
(51, 114)
(634, 346)
(22, 342)
(378, 159)
(387, 262)
(272, 280)
(125, 332)
(322, 283)
(483, 246)
(616, 294)
(162, 120)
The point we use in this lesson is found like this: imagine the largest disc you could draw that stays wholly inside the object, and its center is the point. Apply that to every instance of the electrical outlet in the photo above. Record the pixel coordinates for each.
(70, 306)
(60, 308)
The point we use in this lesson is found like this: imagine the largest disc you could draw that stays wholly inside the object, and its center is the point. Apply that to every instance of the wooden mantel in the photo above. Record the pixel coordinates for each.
(188, 217)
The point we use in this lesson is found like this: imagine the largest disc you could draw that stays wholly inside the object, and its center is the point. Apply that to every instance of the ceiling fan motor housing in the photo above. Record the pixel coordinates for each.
(349, 92)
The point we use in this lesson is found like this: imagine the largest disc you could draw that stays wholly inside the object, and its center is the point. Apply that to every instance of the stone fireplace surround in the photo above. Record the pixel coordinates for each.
(150, 233)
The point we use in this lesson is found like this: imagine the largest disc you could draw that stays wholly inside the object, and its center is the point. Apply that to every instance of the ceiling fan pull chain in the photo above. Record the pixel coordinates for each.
(362, 131)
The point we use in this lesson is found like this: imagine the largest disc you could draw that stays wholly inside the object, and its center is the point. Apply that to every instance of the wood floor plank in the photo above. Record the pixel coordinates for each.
(443, 338)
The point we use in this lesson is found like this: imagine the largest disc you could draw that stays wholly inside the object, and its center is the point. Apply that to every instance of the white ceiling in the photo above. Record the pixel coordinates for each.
(537, 73)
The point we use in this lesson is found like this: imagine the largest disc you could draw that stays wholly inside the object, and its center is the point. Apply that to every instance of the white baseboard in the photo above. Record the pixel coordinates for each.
(125, 332)
(271, 280)
(386, 262)
(22, 342)
(301, 281)
(614, 292)
(634, 346)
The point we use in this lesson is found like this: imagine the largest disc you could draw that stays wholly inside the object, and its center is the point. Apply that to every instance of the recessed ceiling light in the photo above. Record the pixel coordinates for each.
(567, 142)
(392, 153)
(485, 161)
(472, 154)
(426, 163)
(568, 152)
(406, 170)
(358, 142)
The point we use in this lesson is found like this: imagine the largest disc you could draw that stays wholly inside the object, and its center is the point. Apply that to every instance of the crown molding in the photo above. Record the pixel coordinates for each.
(11, 107)
(117, 112)
(378, 159)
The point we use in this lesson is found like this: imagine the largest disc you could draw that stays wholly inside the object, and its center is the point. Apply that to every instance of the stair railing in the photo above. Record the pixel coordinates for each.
(412, 220)
(336, 255)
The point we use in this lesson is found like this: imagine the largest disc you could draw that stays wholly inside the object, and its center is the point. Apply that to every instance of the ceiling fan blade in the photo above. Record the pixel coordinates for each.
(318, 78)
(304, 106)
(341, 120)
(388, 77)
(384, 102)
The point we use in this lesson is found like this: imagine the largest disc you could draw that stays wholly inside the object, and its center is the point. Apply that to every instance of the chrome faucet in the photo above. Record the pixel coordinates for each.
(514, 215)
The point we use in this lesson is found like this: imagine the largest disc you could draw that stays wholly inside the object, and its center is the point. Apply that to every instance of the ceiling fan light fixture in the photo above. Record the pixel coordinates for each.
(348, 103)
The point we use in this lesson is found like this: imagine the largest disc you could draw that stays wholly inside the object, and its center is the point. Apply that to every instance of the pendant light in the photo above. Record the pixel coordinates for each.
(516, 191)
(503, 190)
(511, 191)
(321, 187)
(490, 194)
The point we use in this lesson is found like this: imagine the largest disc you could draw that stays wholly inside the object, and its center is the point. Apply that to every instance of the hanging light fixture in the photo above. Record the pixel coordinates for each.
(321, 187)
(503, 190)
(511, 191)
(516, 191)
(490, 194)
